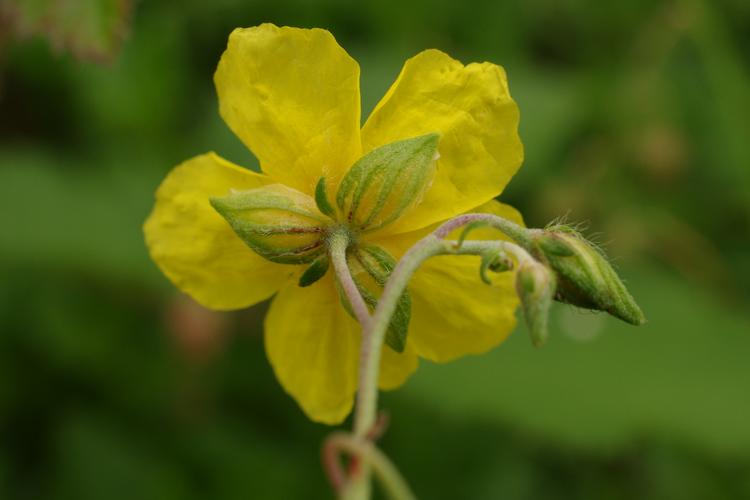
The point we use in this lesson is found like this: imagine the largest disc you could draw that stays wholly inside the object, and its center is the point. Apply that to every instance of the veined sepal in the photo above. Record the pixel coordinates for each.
(277, 222)
(370, 267)
(387, 182)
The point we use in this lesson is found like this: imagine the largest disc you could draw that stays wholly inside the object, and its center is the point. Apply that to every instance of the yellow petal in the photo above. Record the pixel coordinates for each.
(453, 312)
(196, 248)
(292, 96)
(313, 346)
(470, 106)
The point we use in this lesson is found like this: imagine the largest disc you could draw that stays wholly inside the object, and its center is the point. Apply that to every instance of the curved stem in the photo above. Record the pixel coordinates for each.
(374, 328)
(478, 247)
(392, 481)
(510, 229)
(364, 417)
(359, 487)
(429, 246)
(337, 244)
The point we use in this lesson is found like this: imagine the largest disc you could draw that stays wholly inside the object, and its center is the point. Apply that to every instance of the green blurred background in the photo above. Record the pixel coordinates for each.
(635, 118)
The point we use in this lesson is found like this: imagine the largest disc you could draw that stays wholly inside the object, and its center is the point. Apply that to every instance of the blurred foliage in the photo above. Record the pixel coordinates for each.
(635, 117)
(89, 29)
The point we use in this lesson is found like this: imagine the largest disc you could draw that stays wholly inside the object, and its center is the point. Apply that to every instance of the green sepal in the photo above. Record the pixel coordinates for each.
(468, 229)
(277, 222)
(553, 246)
(317, 270)
(379, 264)
(398, 328)
(387, 181)
(321, 199)
(584, 276)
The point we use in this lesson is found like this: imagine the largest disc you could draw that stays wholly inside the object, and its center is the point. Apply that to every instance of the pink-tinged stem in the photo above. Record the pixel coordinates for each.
(374, 334)
(338, 243)
(511, 229)
(374, 327)
(332, 465)
(392, 481)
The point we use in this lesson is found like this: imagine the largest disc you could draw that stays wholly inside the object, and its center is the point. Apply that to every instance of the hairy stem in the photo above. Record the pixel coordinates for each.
(429, 246)
(510, 229)
(338, 243)
(374, 327)
(479, 247)
(357, 487)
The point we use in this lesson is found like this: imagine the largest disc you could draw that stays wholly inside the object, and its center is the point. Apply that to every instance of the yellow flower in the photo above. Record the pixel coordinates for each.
(292, 96)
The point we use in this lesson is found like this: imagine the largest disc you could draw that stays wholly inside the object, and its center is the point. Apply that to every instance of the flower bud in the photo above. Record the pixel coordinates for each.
(495, 261)
(277, 222)
(585, 278)
(386, 182)
(535, 286)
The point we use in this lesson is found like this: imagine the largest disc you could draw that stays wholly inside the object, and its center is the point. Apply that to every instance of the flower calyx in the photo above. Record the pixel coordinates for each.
(318, 268)
(385, 183)
(371, 266)
(277, 222)
(584, 276)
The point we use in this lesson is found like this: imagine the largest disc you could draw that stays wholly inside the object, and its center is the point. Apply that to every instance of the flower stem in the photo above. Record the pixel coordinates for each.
(431, 245)
(374, 328)
(517, 233)
(372, 339)
(358, 486)
(338, 243)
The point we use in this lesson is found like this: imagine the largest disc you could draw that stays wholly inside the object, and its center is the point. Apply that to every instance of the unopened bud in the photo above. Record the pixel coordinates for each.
(585, 278)
(277, 222)
(535, 286)
(388, 181)
(497, 262)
